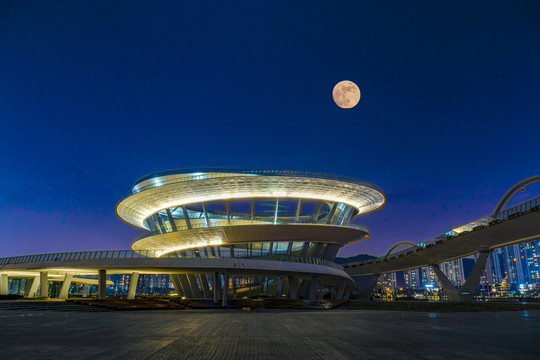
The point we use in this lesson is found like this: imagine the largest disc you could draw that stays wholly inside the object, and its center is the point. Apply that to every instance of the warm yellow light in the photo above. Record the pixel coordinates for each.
(137, 207)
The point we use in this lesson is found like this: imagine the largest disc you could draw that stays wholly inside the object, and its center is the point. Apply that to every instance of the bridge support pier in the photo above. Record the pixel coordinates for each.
(365, 285)
(132, 289)
(467, 291)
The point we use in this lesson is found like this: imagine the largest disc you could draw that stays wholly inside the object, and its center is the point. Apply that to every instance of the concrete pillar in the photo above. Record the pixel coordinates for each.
(293, 283)
(298, 209)
(102, 284)
(303, 289)
(313, 288)
(86, 291)
(330, 251)
(451, 290)
(216, 288)
(289, 248)
(64, 290)
(185, 285)
(318, 250)
(279, 289)
(347, 292)
(341, 289)
(32, 286)
(177, 285)
(204, 283)
(186, 217)
(471, 284)
(467, 291)
(305, 249)
(44, 282)
(4, 284)
(233, 286)
(225, 289)
(194, 287)
(332, 212)
(171, 220)
(132, 290)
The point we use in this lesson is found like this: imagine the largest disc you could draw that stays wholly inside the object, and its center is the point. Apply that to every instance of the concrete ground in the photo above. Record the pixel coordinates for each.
(268, 334)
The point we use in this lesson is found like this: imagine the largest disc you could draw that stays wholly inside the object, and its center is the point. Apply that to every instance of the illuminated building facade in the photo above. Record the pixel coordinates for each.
(214, 232)
(237, 213)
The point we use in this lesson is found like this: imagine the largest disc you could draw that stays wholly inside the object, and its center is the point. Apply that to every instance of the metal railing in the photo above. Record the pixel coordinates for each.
(220, 223)
(475, 225)
(152, 254)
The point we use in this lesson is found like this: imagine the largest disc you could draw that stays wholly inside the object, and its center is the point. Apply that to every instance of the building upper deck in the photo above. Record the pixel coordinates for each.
(173, 188)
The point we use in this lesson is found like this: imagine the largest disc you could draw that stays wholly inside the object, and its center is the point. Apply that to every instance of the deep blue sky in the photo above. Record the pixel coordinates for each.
(95, 94)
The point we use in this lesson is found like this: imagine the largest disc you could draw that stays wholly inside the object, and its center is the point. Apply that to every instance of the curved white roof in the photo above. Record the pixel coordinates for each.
(167, 191)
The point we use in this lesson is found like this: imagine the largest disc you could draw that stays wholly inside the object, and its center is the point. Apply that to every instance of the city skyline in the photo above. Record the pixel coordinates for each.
(96, 95)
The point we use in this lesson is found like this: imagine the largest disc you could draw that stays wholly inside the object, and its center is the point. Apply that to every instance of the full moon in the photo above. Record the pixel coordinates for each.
(346, 94)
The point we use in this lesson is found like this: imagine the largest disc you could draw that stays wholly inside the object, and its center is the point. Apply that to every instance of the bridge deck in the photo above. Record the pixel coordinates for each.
(523, 228)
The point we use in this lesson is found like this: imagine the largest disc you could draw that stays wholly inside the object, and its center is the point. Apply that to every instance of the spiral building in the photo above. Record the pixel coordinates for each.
(275, 232)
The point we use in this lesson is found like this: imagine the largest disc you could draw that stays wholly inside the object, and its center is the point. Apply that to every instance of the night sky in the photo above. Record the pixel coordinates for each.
(95, 94)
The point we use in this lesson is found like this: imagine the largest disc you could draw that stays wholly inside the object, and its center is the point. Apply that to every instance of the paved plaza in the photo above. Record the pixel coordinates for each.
(267, 334)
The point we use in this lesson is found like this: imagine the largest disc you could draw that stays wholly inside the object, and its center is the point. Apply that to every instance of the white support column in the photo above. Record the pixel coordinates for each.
(206, 222)
(332, 212)
(186, 216)
(34, 285)
(4, 284)
(225, 289)
(102, 284)
(132, 289)
(64, 290)
(44, 282)
(171, 220)
(298, 209)
(86, 291)
(276, 210)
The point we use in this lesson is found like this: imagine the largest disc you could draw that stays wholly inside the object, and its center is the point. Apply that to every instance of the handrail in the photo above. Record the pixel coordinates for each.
(151, 254)
(442, 238)
(222, 223)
